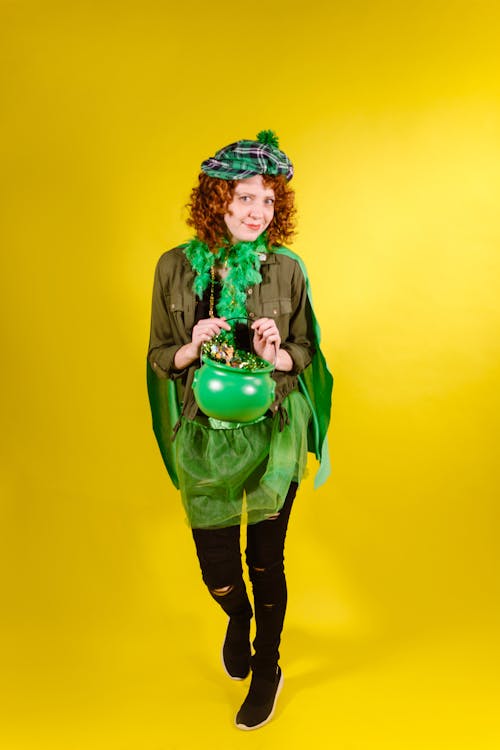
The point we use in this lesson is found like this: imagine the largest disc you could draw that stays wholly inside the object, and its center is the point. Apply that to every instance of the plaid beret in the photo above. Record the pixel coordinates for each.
(248, 158)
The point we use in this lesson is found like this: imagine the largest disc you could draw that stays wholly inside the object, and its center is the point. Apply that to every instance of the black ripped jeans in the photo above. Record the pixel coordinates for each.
(220, 561)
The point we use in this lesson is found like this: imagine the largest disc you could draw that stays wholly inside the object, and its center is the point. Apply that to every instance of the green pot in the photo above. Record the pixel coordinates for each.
(231, 394)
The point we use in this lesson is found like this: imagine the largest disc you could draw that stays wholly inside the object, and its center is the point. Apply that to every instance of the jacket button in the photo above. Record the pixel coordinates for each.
(251, 315)
(155, 365)
(275, 312)
(250, 291)
(172, 306)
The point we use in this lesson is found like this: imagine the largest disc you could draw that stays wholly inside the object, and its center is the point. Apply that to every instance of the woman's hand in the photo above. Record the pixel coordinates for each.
(206, 329)
(203, 331)
(266, 338)
(266, 343)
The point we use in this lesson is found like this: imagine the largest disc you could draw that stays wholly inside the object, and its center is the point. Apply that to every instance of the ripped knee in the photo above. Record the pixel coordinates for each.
(222, 591)
(266, 575)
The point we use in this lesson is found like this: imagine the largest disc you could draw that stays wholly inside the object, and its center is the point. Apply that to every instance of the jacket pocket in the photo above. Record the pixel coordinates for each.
(274, 308)
(174, 303)
(176, 310)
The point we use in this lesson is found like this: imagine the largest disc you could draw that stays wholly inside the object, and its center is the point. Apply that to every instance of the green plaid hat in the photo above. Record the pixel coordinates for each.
(247, 158)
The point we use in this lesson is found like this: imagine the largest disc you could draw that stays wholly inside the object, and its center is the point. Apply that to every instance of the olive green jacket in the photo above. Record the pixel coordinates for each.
(284, 295)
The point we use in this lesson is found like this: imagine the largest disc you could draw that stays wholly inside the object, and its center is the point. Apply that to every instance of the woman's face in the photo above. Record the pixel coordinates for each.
(251, 209)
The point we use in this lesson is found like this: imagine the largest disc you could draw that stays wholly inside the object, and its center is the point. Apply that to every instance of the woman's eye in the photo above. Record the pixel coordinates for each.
(244, 198)
(270, 200)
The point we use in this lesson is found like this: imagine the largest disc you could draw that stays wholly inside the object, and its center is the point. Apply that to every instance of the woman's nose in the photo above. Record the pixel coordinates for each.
(256, 211)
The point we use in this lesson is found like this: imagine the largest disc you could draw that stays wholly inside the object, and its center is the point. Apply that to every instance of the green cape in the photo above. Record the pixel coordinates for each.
(315, 383)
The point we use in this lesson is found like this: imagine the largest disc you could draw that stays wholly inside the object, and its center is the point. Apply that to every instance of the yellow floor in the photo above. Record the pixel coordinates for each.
(109, 640)
(159, 685)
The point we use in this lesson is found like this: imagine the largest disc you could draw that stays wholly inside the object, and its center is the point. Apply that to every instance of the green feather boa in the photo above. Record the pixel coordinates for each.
(243, 263)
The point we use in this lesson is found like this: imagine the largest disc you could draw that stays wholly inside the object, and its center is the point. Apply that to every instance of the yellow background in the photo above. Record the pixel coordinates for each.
(390, 112)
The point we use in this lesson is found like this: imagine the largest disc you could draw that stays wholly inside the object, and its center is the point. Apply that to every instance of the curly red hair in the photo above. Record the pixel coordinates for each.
(211, 197)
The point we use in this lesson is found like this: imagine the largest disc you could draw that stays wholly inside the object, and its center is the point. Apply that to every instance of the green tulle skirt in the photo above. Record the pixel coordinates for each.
(229, 472)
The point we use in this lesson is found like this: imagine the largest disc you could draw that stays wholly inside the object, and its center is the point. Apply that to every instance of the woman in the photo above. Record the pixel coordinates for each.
(236, 268)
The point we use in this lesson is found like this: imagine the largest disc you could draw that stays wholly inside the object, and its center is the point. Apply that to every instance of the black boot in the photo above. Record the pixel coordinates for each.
(258, 707)
(236, 648)
(270, 598)
(270, 595)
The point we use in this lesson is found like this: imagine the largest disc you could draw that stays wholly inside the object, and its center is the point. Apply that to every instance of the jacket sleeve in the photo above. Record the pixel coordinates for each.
(298, 343)
(162, 344)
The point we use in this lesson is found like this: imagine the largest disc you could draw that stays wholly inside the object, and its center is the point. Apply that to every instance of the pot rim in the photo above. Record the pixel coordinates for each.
(227, 368)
